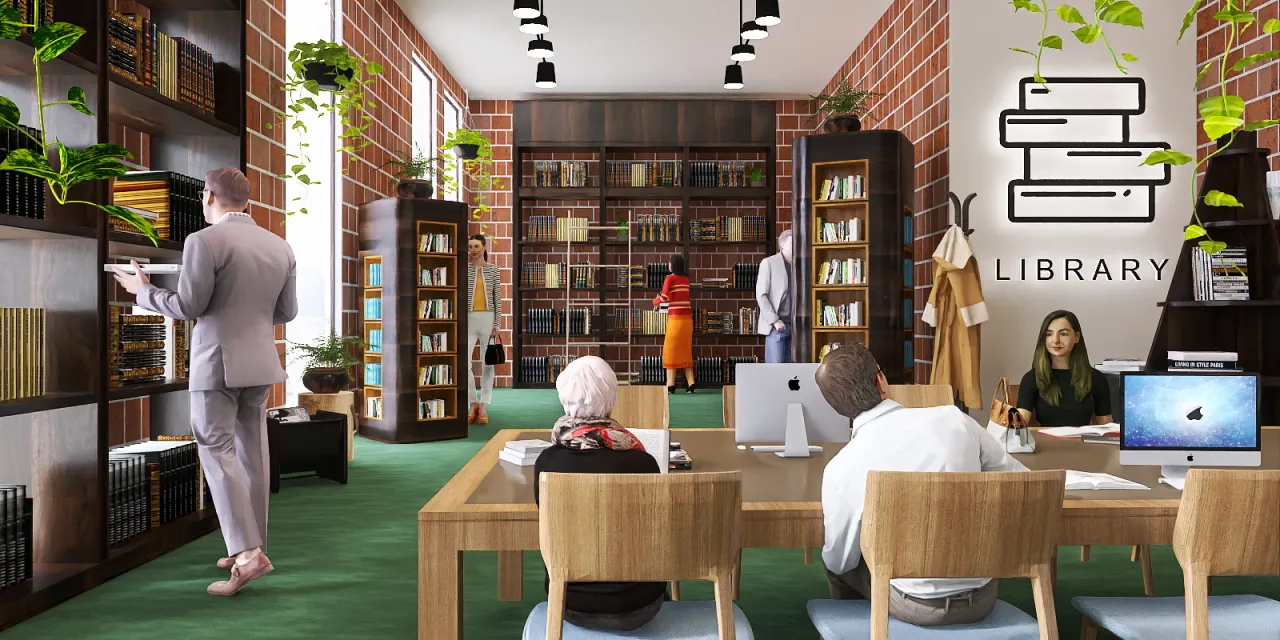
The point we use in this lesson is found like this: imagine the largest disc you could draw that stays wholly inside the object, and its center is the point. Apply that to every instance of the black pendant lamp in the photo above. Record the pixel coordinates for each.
(526, 9)
(743, 53)
(733, 77)
(535, 26)
(541, 48)
(546, 75)
(767, 14)
(753, 31)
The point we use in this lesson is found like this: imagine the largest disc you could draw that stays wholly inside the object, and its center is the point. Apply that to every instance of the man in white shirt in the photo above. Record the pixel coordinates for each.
(889, 437)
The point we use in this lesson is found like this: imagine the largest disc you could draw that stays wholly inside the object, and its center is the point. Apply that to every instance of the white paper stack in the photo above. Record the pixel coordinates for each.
(523, 452)
(1084, 480)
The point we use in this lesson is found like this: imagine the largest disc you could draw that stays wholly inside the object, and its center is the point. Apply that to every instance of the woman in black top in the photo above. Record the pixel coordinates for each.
(587, 440)
(1062, 389)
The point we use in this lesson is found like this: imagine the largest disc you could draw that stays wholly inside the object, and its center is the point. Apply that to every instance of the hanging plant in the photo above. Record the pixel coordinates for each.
(478, 167)
(74, 166)
(1222, 115)
(316, 71)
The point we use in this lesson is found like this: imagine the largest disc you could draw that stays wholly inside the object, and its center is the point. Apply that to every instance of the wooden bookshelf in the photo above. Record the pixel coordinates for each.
(57, 444)
(852, 199)
(391, 232)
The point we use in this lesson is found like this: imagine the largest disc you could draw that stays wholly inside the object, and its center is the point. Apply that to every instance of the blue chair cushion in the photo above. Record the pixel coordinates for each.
(683, 620)
(849, 619)
(1243, 617)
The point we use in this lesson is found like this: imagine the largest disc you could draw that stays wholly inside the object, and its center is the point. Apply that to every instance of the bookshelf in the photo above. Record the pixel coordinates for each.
(852, 234)
(413, 256)
(57, 443)
(648, 179)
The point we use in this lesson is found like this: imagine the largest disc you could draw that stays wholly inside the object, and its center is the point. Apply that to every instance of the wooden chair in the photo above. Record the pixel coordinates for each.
(643, 528)
(728, 408)
(642, 406)
(909, 531)
(920, 396)
(1228, 525)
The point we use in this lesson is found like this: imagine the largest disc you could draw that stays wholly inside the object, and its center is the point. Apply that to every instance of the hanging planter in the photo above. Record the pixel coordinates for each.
(466, 151)
(325, 76)
(474, 159)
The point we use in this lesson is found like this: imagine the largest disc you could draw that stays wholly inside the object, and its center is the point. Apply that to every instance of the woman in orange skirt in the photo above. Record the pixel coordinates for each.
(677, 349)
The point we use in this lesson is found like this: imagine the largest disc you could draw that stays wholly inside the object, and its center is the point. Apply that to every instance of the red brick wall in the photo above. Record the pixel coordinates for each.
(795, 119)
(492, 118)
(905, 57)
(1260, 86)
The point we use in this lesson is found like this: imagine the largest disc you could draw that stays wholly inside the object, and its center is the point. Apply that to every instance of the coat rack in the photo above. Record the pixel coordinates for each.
(960, 212)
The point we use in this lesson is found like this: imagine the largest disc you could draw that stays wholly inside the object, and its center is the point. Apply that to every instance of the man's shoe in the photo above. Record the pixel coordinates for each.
(242, 574)
(225, 563)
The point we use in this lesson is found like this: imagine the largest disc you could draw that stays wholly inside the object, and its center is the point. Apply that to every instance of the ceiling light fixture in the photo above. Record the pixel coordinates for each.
(753, 31)
(546, 75)
(767, 13)
(526, 9)
(535, 26)
(541, 48)
(733, 76)
(743, 53)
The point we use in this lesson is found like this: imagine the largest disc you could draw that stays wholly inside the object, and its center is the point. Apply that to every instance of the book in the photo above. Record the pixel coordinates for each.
(657, 443)
(1086, 481)
(528, 447)
(1110, 428)
(146, 268)
(1223, 356)
(506, 455)
(22, 353)
(1120, 366)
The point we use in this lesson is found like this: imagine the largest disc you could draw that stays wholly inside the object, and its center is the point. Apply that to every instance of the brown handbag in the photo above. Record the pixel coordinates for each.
(1006, 424)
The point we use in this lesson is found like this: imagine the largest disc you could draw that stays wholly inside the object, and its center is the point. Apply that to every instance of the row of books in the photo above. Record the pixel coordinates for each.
(523, 453)
(373, 407)
(136, 346)
(655, 274)
(726, 323)
(843, 188)
(373, 308)
(720, 173)
(20, 194)
(656, 227)
(433, 343)
(844, 231)
(560, 173)
(150, 484)
(828, 348)
(551, 322)
(435, 375)
(22, 353)
(435, 243)
(436, 277)
(1221, 276)
(832, 316)
(181, 361)
(373, 341)
(373, 275)
(430, 409)
(648, 173)
(542, 369)
(174, 67)
(843, 272)
(718, 370)
(644, 322)
(543, 275)
(169, 201)
(16, 546)
(436, 309)
(373, 374)
(728, 229)
(553, 229)
(745, 275)
(36, 12)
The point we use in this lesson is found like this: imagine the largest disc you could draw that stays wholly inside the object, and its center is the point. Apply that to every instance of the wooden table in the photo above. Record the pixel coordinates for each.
(489, 506)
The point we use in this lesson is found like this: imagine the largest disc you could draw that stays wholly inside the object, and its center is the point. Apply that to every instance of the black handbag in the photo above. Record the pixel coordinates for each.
(495, 354)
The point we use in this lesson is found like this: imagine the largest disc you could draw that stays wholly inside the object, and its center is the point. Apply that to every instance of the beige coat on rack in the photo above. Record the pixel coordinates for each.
(955, 310)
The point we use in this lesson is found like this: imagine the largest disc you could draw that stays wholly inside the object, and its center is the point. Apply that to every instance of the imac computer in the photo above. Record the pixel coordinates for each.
(782, 403)
(1184, 420)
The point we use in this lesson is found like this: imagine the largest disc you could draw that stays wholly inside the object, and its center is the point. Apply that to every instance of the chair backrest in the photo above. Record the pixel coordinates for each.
(912, 523)
(1229, 523)
(728, 408)
(640, 527)
(920, 396)
(642, 407)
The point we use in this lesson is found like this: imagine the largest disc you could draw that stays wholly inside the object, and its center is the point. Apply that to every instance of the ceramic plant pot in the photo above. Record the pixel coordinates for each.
(418, 189)
(841, 124)
(326, 380)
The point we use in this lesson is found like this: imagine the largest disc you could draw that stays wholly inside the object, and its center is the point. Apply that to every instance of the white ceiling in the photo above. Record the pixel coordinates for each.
(661, 48)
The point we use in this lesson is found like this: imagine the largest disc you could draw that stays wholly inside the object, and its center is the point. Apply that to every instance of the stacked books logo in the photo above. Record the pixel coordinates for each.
(1079, 163)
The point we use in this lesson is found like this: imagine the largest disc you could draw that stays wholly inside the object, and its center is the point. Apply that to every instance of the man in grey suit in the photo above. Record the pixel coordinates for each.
(777, 306)
(237, 283)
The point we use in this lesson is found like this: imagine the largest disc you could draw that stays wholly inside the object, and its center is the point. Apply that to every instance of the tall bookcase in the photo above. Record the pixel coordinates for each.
(419, 249)
(57, 443)
(648, 179)
(852, 207)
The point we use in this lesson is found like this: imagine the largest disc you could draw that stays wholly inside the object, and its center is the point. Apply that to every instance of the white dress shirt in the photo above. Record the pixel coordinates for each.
(890, 437)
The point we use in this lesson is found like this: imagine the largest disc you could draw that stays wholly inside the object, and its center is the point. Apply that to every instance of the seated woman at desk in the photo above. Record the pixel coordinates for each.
(587, 440)
(1062, 389)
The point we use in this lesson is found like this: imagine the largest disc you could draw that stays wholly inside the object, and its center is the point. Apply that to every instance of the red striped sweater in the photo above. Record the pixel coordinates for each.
(675, 292)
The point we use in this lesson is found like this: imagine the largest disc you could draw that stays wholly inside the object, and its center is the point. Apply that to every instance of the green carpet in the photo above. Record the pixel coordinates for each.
(345, 561)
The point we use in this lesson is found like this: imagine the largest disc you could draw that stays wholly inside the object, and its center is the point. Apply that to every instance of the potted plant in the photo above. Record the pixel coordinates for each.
(845, 107)
(328, 362)
(755, 173)
(328, 64)
(466, 143)
(479, 169)
(412, 177)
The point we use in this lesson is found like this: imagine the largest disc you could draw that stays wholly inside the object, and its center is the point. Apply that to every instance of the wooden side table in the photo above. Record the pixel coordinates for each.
(343, 402)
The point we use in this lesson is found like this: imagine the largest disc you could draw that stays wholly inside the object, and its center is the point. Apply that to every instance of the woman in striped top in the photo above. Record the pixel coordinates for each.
(677, 349)
(484, 311)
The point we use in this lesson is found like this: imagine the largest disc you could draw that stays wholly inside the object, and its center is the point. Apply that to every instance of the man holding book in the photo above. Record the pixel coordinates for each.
(236, 283)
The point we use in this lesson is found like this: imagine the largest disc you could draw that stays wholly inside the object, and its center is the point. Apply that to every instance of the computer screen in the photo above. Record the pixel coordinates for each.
(1189, 411)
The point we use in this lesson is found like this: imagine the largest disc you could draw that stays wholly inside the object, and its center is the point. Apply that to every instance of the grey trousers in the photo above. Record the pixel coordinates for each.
(230, 427)
(924, 612)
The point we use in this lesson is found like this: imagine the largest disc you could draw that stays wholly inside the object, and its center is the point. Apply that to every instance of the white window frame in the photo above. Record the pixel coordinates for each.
(454, 109)
(423, 106)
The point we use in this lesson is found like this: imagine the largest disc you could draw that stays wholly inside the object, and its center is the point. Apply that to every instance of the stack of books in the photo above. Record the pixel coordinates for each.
(840, 315)
(373, 407)
(434, 309)
(173, 67)
(136, 347)
(842, 272)
(1227, 361)
(844, 231)
(652, 173)
(1221, 276)
(435, 243)
(16, 545)
(843, 188)
(719, 173)
(560, 173)
(642, 321)
(22, 353)
(20, 194)
(722, 323)
(728, 229)
(373, 308)
(543, 369)
(170, 201)
(656, 227)
(128, 492)
(373, 277)
(1120, 366)
(428, 409)
(548, 322)
(435, 375)
(748, 318)
(523, 453)
(373, 374)
(436, 277)
(173, 470)
(433, 343)
(180, 357)
(714, 283)
(373, 341)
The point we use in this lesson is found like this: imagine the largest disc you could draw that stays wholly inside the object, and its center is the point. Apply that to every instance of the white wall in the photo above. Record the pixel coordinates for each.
(1118, 317)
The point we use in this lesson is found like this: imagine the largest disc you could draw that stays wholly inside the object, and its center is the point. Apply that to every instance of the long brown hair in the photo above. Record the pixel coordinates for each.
(1042, 364)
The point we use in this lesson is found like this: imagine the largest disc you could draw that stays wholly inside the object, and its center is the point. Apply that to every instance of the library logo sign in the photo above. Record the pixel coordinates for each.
(1079, 164)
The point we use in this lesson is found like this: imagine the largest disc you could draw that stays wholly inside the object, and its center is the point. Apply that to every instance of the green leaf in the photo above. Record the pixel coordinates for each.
(374, 68)
(1249, 61)
(1193, 231)
(29, 162)
(1272, 26)
(1260, 124)
(77, 98)
(1230, 106)
(1129, 57)
(1217, 198)
(1217, 126)
(1123, 13)
(1039, 78)
(312, 86)
(1052, 42)
(1212, 247)
(10, 115)
(10, 22)
(298, 168)
(53, 39)
(1190, 18)
(140, 223)
(1099, 4)
(1088, 33)
(1235, 15)
(1204, 71)
(1167, 156)
(1070, 14)
(98, 162)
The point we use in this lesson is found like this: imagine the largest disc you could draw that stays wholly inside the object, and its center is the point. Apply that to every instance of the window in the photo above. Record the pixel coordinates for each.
(452, 121)
(424, 98)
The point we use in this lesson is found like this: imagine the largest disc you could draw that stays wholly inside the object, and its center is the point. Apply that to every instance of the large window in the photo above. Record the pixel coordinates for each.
(453, 120)
(424, 99)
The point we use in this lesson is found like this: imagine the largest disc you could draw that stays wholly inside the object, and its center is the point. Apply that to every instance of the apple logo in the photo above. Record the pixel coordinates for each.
(1191, 458)
(1195, 414)
(794, 383)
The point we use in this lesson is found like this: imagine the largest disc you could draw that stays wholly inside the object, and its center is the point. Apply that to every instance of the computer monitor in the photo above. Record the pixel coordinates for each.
(782, 403)
(1181, 420)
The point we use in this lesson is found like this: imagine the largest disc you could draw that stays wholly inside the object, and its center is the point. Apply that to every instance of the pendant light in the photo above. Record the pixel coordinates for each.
(526, 9)
(742, 52)
(733, 76)
(767, 14)
(753, 31)
(546, 75)
(541, 48)
(535, 26)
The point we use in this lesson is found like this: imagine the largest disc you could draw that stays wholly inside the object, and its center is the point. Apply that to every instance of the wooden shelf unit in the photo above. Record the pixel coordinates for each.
(58, 444)
(390, 232)
(873, 227)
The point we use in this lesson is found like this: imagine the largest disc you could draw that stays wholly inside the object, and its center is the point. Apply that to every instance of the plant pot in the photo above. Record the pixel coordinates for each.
(841, 124)
(326, 380)
(757, 183)
(325, 76)
(416, 188)
(466, 151)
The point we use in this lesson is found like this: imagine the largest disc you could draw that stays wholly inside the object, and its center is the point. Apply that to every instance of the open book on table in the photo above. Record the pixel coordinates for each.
(1084, 480)
(657, 443)
(1108, 429)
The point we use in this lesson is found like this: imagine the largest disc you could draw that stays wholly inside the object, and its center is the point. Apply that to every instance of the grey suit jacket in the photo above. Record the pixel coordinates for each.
(771, 283)
(237, 283)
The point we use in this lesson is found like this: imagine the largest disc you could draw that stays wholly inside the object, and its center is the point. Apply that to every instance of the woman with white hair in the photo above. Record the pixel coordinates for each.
(587, 440)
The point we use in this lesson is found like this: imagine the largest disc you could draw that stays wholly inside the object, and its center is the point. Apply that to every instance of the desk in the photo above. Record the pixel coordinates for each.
(343, 402)
(489, 506)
